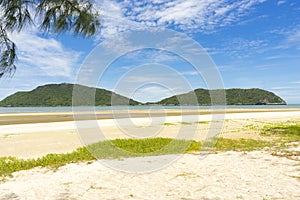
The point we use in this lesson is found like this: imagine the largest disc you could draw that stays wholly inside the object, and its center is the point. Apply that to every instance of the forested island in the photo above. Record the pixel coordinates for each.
(61, 95)
(237, 96)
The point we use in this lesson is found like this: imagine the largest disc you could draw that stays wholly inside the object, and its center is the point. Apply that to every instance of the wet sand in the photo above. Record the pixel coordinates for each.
(28, 118)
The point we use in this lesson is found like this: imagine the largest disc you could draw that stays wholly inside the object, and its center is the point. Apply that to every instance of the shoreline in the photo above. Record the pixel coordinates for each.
(47, 117)
(27, 140)
(220, 175)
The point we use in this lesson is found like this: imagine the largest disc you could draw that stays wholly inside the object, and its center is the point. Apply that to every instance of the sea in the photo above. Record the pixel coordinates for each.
(144, 107)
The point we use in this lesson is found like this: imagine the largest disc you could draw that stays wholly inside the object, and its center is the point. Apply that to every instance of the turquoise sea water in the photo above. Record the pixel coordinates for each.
(107, 108)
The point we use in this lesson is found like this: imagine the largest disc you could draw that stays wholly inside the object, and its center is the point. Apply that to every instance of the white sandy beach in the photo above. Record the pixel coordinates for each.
(38, 139)
(229, 175)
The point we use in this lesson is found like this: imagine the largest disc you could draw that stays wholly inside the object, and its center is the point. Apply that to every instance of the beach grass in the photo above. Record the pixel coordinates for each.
(280, 134)
(285, 135)
(286, 132)
(169, 124)
(122, 148)
(224, 144)
(113, 149)
(202, 122)
(185, 123)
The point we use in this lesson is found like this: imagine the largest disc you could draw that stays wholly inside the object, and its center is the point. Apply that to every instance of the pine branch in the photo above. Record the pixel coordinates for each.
(75, 16)
(7, 54)
(16, 14)
(57, 16)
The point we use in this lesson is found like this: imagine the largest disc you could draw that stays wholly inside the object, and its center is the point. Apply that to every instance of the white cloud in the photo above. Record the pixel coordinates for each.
(40, 61)
(186, 15)
(291, 36)
(190, 73)
(41, 55)
(152, 56)
(48, 56)
(112, 19)
(242, 48)
(135, 81)
(281, 2)
(154, 93)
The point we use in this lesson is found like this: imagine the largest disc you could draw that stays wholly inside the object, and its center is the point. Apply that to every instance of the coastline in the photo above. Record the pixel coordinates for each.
(220, 175)
(46, 117)
(33, 139)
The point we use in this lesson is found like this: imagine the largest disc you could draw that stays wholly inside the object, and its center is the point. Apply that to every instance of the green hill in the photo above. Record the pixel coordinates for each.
(61, 95)
(233, 97)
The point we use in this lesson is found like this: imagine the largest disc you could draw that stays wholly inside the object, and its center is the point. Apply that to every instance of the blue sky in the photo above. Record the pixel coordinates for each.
(254, 44)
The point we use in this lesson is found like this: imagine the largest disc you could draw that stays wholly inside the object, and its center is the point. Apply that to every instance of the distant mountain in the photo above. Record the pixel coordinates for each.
(233, 97)
(61, 95)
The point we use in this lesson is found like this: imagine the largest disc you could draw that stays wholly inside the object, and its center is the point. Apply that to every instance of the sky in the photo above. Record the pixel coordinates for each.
(253, 44)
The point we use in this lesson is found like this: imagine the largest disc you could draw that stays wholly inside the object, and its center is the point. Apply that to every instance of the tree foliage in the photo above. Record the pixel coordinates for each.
(233, 97)
(62, 94)
(77, 16)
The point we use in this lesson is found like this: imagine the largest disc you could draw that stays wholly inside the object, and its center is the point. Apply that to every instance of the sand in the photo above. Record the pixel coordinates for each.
(38, 139)
(229, 175)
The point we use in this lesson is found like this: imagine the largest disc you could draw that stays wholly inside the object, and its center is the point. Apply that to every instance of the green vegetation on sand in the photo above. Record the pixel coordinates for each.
(114, 149)
(285, 132)
(122, 148)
